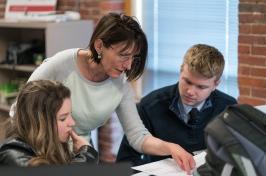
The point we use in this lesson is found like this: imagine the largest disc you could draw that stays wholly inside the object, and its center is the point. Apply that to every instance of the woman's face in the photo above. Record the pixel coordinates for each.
(115, 60)
(65, 121)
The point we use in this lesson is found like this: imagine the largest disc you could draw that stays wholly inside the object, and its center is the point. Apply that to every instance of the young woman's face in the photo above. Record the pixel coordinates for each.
(115, 60)
(65, 121)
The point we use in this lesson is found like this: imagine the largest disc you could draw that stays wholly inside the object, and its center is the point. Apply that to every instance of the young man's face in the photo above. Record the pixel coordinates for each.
(195, 88)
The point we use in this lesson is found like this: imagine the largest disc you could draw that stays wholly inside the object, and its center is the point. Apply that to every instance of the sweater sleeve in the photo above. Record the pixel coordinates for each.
(130, 120)
(126, 153)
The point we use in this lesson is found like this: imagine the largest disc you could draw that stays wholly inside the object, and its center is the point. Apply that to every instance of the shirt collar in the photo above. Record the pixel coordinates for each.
(185, 109)
(188, 108)
(178, 107)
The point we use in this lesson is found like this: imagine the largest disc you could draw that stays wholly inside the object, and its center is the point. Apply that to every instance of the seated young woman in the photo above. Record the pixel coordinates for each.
(42, 127)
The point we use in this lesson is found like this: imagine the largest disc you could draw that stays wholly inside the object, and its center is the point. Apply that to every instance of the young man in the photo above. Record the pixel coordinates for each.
(180, 112)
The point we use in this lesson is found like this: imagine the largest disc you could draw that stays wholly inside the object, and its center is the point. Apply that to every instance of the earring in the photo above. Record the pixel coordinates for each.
(99, 56)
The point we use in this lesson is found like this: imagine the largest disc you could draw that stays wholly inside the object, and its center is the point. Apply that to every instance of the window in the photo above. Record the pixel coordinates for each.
(172, 26)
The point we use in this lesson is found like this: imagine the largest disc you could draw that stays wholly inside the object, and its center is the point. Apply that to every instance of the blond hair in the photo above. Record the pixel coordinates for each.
(204, 60)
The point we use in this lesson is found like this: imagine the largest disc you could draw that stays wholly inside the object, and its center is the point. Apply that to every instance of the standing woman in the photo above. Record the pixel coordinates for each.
(41, 127)
(98, 79)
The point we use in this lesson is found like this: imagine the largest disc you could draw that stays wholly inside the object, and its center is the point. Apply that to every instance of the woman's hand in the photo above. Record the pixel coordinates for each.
(182, 157)
(156, 146)
(78, 141)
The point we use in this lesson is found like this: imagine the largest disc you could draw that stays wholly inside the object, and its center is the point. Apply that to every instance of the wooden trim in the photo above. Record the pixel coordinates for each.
(128, 7)
(136, 85)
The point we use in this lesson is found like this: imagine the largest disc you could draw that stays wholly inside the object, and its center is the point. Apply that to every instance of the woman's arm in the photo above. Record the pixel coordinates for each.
(141, 140)
(133, 126)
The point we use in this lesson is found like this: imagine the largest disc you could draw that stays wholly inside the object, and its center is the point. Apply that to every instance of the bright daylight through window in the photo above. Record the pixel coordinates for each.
(172, 26)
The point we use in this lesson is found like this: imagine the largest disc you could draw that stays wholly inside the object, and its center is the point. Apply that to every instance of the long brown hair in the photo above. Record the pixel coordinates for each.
(116, 28)
(35, 121)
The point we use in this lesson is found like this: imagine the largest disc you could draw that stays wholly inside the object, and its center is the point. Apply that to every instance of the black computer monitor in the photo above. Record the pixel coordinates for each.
(116, 169)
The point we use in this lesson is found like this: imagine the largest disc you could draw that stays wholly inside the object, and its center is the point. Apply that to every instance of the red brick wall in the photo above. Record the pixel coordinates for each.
(89, 9)
(252, 51)
(93, 9)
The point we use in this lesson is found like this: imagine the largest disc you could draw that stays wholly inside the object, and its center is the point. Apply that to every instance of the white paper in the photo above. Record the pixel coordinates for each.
(168, 166)
(200, 158)
(261, 108)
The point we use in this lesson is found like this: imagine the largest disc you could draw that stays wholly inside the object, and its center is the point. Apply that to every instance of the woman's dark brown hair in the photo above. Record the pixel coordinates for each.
(119, 28)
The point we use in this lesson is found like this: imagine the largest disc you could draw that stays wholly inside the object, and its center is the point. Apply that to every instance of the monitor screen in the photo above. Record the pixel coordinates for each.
(73, 169)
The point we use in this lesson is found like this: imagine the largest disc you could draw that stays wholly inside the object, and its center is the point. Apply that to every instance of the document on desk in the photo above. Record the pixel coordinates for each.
(168, 166)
